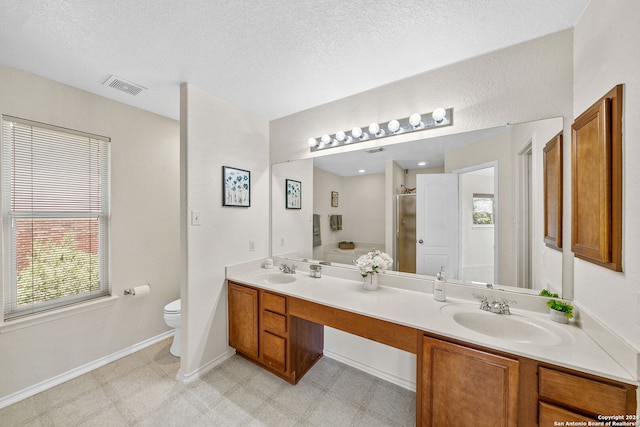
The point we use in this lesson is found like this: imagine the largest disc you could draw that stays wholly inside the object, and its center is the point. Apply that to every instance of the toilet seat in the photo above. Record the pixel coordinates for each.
(173, 307)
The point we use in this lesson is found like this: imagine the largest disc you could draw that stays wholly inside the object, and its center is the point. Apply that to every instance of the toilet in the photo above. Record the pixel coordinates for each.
(172, 318)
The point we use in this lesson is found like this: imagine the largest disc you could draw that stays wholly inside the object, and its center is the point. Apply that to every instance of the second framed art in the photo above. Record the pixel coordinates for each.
(294, 194)
(236, 187)
(334, 199)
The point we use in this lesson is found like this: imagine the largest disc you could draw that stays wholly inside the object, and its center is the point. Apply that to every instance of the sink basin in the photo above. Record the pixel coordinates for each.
(513, 328)
(274, 278)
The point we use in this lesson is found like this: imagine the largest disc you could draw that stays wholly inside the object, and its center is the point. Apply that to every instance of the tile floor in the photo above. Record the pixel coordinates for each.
(141, 390)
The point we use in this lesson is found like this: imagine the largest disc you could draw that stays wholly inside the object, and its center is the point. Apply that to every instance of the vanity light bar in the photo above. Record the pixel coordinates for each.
(440, 117)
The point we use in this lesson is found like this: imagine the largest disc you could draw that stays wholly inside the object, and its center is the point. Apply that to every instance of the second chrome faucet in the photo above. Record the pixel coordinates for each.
(288, 270)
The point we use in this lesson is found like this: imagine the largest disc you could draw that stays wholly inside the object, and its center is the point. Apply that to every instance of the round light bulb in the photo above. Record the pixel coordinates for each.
(393, 126)
(312, 142)
(356, 132)
(415, 120)
(439, 114)
(374, 129)
(341, 136)
(326, 139)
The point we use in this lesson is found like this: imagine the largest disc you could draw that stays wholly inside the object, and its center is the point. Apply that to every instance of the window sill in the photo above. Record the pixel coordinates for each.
(59, 313)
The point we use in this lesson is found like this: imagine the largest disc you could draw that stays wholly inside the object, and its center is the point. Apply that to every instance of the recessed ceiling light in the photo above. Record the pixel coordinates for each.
(422, 163)
(361, 171)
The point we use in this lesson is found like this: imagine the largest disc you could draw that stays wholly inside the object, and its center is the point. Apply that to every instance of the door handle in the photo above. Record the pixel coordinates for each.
(421, 241)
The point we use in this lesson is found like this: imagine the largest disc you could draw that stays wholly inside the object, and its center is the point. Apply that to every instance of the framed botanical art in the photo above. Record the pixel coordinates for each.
(334, 199)
(236, 187)
(294, 194)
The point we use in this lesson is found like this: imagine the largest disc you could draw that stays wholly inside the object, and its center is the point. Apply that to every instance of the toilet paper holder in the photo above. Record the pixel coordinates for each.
(139, 289)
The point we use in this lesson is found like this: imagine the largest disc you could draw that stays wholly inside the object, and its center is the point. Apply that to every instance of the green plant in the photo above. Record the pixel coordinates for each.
(56, 270)
(567, 309)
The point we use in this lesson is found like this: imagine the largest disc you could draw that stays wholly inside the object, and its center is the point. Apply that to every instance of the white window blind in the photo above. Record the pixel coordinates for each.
(55, 203)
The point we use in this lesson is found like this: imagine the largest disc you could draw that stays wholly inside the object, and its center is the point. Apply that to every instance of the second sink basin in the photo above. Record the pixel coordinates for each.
(513, 328)
(274, 278)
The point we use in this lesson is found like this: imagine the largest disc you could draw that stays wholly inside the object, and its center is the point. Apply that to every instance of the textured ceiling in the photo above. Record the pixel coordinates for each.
(272, 57)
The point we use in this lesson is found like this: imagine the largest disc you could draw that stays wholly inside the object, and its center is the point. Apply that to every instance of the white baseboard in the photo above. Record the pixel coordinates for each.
(187, 378)
(76, 372)
(394, 379)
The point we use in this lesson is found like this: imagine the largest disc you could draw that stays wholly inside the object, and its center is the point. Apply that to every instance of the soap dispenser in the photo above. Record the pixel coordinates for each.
(439, 290)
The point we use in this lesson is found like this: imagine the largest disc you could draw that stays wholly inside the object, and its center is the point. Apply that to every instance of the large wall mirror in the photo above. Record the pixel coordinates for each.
(470, 203)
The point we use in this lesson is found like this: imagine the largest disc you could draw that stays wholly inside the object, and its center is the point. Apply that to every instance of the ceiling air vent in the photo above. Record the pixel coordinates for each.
(124, 86)
(375, 150)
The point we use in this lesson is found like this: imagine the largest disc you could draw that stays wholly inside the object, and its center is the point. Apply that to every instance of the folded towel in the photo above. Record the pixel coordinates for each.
(335, 221)
(317, 241)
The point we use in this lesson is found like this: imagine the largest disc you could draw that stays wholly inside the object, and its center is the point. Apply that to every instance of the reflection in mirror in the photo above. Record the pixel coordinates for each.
(470, 202)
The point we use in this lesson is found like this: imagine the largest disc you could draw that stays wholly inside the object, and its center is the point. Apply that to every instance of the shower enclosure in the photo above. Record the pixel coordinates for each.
(406, 233)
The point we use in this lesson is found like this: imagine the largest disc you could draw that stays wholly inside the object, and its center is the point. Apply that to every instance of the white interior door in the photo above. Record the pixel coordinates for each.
(437, 224)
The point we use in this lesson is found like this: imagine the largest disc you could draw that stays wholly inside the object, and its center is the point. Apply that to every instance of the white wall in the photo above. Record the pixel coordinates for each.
(323, 184)
(525, 82)
(215, 133)
(606, 54)
(476, 242)
(547, 263)
(363, 208)
(495, 149)
(361, 204)
(144, 231)
(292, 229)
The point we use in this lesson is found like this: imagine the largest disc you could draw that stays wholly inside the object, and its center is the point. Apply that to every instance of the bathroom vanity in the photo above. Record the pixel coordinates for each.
(463, 377)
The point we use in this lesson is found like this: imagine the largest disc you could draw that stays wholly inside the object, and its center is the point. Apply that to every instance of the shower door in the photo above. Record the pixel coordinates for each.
(406, 233)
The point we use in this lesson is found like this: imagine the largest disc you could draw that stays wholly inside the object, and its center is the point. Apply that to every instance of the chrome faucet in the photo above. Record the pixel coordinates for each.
(484, 303)
(288, 270)
(498, 307)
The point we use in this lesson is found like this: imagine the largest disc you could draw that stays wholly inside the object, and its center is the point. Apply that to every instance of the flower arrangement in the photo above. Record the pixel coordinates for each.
(373, 262)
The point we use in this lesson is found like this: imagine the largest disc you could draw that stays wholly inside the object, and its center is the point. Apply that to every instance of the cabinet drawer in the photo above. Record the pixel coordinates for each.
(591, 396)
(273, 322)
(274, 351)
(275, 303)
(550, 415)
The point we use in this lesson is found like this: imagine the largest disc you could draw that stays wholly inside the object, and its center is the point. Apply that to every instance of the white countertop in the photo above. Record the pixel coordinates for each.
(419, 310)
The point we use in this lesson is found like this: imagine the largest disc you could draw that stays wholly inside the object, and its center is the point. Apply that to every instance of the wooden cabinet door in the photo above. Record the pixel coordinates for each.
(467, 387)
(552, 165)
(596, 182)
(243, 319)
(551, 415)
(274, 351)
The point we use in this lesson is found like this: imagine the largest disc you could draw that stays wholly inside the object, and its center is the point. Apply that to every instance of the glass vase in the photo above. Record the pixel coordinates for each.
(370, 282)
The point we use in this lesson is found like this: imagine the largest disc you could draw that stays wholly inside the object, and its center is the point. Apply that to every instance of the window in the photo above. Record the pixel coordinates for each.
(55, 214)
(482, 209)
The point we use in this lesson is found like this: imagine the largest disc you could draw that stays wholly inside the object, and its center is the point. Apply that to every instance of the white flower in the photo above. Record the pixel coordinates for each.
(373, 262)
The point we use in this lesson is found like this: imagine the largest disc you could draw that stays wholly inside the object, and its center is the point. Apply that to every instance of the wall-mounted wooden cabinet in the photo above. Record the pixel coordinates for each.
(596, 182)
(552, 165)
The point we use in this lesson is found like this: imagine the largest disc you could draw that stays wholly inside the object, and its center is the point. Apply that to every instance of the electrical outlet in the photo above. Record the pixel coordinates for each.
(282, 241)
(252, 246)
